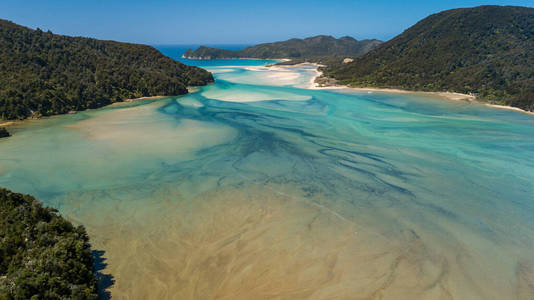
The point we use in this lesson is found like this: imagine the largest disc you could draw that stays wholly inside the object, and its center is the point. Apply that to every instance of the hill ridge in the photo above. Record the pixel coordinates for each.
(487, 51)
(42, 73)
(295, 48)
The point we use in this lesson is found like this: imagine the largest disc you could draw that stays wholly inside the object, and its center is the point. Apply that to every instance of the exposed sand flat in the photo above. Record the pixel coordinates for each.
(300, 76)
(313, 67)
(262, 78)
(277, 75)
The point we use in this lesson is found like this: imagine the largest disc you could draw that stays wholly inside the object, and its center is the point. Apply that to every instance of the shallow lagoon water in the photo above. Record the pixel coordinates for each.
(330, 195)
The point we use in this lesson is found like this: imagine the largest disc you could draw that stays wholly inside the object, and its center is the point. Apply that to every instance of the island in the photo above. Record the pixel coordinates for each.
(485, 51)
(44, 74)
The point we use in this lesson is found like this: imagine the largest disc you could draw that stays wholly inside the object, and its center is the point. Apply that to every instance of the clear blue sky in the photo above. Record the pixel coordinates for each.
(226, 21)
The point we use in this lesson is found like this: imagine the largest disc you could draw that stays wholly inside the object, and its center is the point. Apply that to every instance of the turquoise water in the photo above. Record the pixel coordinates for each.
(295, 193)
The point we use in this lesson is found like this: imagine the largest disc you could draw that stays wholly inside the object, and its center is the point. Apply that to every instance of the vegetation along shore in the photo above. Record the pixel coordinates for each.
(485, 53)
(44, 74)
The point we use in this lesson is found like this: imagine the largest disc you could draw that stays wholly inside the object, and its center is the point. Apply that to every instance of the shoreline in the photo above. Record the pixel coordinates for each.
(141, 98)
(452, 96)
(10, 123)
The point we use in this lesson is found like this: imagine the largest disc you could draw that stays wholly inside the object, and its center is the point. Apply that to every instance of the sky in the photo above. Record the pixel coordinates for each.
(226, 21)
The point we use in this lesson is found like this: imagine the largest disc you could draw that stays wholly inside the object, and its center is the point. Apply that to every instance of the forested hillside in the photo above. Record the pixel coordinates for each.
(42, 73)
(42, 255)
(487, 51)
(317, 46)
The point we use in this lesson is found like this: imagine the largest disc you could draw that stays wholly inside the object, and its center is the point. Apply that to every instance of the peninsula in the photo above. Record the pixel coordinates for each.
(43, 74)
(485, 51)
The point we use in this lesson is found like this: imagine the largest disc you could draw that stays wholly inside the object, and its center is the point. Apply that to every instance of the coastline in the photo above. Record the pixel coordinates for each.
(142, 98)
(10, 123)
(452, 96)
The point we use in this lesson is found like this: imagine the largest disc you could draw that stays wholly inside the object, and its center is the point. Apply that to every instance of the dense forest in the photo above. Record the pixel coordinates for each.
(487, 51)
(44, 74)
(42, 255)
(317, 46)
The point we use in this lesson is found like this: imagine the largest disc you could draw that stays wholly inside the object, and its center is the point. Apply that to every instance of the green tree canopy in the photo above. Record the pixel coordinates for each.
(42, 73)
(487, 51)
(42, 255)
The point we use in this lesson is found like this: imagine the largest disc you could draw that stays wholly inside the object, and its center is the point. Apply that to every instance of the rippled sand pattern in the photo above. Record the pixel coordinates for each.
(255, 242)
(338, 195)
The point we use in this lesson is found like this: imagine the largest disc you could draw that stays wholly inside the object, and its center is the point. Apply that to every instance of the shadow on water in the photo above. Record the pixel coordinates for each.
(104, 281)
